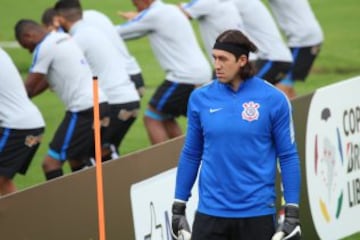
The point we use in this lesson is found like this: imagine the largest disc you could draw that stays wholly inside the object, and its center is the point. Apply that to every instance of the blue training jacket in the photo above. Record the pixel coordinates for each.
(236, 138)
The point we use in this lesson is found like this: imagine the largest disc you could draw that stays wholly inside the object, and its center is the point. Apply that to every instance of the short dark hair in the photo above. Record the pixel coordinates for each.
(48, 16)
(236, 37)
(69, 9)
(67, 4)
(24, 25)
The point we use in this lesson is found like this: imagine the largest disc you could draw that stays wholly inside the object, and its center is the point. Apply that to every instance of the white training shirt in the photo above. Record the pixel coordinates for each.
(104, 24)
(173, 41)
(298, 22)
(262, 30)
(214, 17)
(105, 62)
(17, 111)
(68, 73)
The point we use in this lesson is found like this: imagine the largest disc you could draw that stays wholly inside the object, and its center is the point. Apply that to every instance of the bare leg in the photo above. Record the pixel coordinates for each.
(50, 164)
(6, 186)
(52, 168)
(156, 130)
(288, 90)
(77, 165)
(173, 129)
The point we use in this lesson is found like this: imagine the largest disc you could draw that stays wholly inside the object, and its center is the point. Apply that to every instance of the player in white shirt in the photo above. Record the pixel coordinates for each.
(21, 125)
(104, 24)
(59, 64)
(304, 35)
(108, 64)
(179, 54)
(214, 17)
(274, 57)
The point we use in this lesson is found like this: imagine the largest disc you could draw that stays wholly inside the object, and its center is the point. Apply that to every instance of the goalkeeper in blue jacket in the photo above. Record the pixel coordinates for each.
(238, 126)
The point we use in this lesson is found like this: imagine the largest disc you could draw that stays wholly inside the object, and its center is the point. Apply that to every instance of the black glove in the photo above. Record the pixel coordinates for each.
(290, 227)
(179, 221)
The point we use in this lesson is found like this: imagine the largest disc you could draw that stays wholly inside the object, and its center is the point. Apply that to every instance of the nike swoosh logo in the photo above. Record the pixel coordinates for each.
(212, 110)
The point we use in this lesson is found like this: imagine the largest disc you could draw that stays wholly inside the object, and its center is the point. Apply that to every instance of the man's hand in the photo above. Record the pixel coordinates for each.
(179, 223)
(290, 227)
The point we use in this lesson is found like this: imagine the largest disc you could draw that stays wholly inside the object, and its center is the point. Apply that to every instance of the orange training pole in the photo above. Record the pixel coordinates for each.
(99, 175)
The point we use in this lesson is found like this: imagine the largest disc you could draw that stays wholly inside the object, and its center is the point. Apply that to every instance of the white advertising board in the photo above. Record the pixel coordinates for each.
(151, 201)
(333, 159)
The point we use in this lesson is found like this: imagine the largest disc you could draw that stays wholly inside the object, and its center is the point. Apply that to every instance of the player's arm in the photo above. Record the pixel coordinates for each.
(181, 6)
(35, 84)
(283, 131)
(196, 9)
(284, 135)
(137, 27)
(191, 153)
(127, 15)
(187, 170)
(36, 81)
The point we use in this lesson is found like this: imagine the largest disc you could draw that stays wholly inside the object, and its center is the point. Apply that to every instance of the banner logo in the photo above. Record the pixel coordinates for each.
(328, 163)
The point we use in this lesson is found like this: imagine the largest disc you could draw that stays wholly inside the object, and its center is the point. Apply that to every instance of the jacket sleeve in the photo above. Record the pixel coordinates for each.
(284, 138)
(190, 157)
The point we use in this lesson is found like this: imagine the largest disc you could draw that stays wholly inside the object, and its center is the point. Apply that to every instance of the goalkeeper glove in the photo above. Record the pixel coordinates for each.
(289, 229)
(179, 223)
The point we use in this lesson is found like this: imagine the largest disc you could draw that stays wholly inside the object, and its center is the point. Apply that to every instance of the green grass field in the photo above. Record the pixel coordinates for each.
(338, 60)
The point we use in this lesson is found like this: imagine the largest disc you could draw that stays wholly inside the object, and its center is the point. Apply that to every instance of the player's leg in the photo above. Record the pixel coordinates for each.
(6, 186)
(173, 128)
(287, 86)
(303, 58)
(259, 228)
(176, 105)
(80, 148)
(56, 155)
(52, 167)
(154, 115)
(72, 140)
(78, 164)
(154, 124)
(169, 101)
(17, 149)
(272, 71)
(207, 227)
(122, 117)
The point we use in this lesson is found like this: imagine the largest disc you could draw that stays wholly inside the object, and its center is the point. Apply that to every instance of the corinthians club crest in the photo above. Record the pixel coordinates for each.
(250, 112)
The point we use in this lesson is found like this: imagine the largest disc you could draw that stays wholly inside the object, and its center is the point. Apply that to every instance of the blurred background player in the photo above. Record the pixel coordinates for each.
(59, 64)
(304, 36)
(273, 57)
(104, 24)
(21, 125)
(214, 17)
(108, 64)
(175, 46)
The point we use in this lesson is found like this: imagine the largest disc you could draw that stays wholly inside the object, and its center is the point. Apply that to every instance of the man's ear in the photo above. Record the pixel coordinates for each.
(243, 60)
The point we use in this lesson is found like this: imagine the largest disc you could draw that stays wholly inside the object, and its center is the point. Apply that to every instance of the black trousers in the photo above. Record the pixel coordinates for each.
(217, 228)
